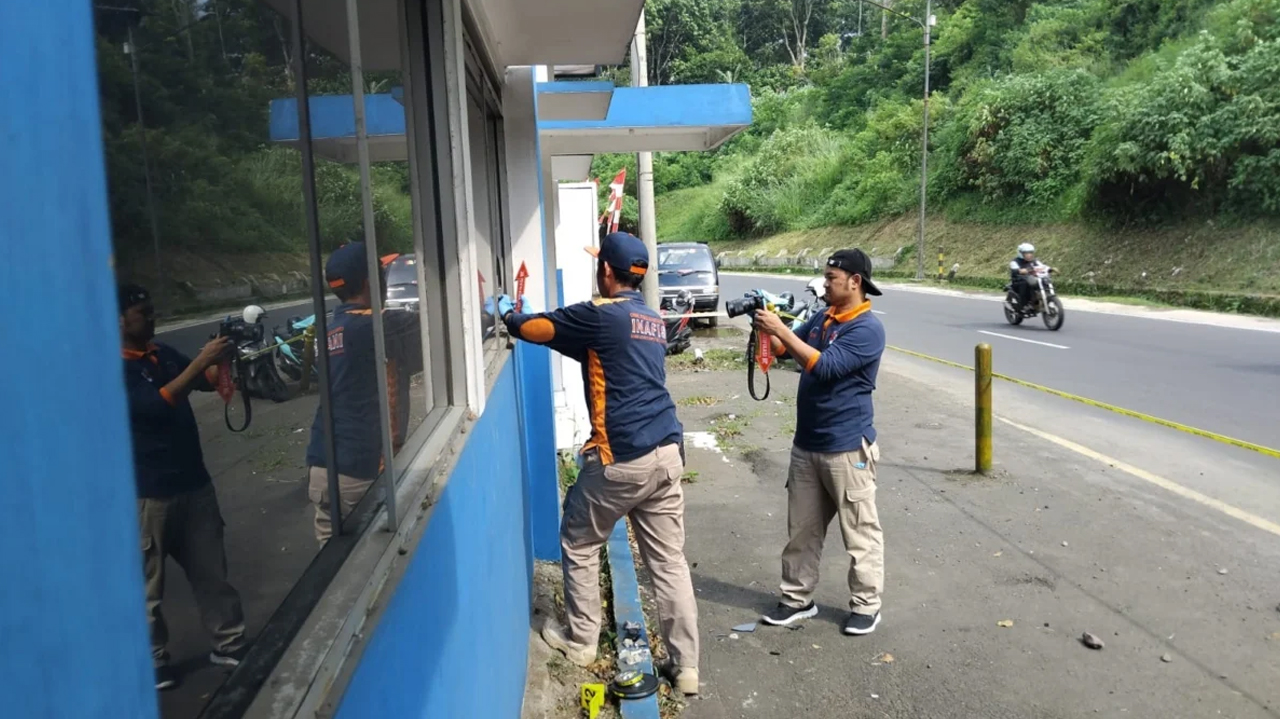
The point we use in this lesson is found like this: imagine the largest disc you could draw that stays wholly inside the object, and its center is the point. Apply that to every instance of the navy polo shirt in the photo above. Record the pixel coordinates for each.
(167, 460)
(833, 404)
(622, 346)
(353, 382)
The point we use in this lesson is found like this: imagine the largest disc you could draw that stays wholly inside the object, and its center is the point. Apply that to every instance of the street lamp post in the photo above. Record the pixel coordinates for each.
(926, 26)
(132, 51)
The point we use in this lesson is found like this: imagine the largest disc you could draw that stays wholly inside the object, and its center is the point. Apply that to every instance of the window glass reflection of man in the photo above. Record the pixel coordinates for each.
(177, 506)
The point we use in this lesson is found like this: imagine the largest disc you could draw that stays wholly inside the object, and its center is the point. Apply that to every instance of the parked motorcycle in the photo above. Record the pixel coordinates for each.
(677, 310)
(252, 369)
(291, 343)
(815, 305)
(1044, 302)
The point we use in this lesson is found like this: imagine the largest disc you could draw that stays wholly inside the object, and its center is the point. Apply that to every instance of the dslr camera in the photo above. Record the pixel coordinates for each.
(241, 332)
(759, 300)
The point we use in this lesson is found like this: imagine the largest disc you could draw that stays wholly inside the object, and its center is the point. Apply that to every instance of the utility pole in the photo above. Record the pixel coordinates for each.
(644, 178)
(924, 143)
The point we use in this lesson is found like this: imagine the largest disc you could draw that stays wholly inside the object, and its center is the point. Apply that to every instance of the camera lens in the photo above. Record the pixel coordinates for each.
(743, 305)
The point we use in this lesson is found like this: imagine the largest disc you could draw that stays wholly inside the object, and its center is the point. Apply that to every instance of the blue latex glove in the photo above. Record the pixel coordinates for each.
(505, 306)
(488, 306)
(525, 307)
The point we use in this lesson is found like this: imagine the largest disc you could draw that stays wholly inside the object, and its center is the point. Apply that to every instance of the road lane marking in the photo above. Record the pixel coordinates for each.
(1024, 339)
(1167, 484)
(1240, 443)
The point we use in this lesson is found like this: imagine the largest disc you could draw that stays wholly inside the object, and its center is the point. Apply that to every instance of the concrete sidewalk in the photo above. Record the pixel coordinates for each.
(1185, 598)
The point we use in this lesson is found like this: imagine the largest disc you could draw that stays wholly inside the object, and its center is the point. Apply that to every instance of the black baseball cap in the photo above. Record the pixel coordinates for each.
(129, 295)
(347, 267)
(855, 262)
(623, 251)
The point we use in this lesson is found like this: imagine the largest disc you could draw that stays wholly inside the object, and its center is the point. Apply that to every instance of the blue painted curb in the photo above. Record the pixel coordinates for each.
(627, 608)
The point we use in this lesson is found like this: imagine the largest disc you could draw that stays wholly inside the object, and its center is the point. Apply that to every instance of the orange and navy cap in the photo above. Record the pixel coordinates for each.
(623, 251)
(347, 267)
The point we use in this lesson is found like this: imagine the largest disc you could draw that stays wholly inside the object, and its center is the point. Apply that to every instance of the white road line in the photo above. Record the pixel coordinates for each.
(1024, 339)
(1167, 484)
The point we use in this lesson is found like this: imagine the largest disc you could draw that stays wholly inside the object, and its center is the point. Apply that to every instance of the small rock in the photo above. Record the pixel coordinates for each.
(1222, 570)
(815, 646)
(1091, 641)
(1005, 623)
(875, 696)
(1166, 658)
(733, 636)
(1065, 544)
(775, 652)
(745, 628)
(1002, 552)
(885, 658)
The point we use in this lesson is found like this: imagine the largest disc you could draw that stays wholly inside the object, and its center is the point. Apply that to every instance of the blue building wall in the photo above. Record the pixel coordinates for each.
(454, 639)
(71, 607)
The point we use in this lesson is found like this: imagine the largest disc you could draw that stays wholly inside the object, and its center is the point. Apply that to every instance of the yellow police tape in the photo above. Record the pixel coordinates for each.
(1260, 449)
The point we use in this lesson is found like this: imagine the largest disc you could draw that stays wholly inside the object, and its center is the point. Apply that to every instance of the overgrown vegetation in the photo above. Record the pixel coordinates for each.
(1113, 113)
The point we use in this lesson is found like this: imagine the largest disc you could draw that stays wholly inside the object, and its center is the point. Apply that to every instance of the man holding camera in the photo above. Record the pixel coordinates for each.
(177, 508)
(834, 454)
(633, 461)
(353, 385)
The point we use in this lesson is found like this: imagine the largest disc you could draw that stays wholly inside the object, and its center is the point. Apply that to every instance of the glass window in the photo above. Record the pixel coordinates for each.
(488, 181)
(209, 211)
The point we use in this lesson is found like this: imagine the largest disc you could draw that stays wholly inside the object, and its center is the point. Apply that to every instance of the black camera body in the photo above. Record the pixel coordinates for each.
(241, 332)
(747, 304)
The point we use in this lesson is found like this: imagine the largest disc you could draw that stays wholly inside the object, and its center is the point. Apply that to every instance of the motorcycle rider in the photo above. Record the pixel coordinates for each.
(1022, 272)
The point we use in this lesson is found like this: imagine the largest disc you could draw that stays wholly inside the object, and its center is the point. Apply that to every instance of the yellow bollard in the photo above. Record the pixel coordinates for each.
(308, 355)
(941, 262)
(982, 404)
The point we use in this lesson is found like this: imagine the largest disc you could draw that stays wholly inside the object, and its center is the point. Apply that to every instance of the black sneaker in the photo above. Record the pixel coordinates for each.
(228, 659)
(861, 623)
(782, 615)
(166, 677)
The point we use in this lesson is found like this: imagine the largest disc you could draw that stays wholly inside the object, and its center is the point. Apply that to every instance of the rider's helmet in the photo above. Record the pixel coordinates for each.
(253, 313)
(1026, 247)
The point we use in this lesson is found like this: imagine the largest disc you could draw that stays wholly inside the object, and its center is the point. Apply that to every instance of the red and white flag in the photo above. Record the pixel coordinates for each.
(613, 209)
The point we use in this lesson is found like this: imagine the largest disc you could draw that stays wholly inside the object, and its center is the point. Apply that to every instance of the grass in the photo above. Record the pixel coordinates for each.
(1201, 255)
(716, 359)
(698, 401)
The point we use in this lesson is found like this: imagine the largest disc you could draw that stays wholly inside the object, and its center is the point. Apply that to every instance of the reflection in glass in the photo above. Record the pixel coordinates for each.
(207, 213)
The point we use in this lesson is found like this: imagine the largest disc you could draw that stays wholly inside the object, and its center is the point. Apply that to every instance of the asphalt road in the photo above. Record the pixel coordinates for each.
(1221, 379)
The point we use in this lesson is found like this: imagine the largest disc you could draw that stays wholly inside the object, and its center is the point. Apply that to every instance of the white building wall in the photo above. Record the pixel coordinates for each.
(575, 230)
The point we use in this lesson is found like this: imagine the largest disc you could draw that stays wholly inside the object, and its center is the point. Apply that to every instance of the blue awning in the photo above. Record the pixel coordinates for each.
(575, 118)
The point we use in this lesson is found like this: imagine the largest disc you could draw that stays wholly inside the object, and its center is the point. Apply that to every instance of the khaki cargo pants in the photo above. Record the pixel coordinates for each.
(189, 528)
(648, 489)
(825, 485)
(350, 492)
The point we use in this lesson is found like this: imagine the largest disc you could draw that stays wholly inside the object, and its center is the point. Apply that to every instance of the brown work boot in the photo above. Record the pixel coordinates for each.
(557, 638)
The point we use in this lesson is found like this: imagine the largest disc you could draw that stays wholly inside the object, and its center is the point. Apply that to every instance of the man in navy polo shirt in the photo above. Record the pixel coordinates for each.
(177, 507)
(632, 463)
(834, 454)
(353, 383)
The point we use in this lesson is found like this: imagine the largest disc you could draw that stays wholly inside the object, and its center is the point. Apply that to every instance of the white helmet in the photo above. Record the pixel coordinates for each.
(1026, 247)
(254, 313)
(818, 286)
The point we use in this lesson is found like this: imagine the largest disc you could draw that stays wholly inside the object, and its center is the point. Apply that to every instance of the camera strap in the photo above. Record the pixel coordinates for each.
(761, 355)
